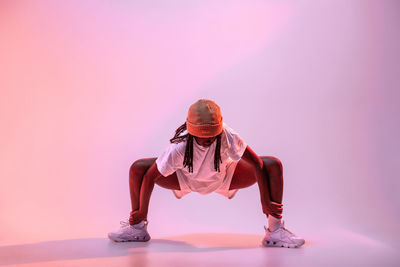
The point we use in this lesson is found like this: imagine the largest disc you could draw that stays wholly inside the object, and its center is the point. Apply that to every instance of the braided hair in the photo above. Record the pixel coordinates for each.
(188, 159)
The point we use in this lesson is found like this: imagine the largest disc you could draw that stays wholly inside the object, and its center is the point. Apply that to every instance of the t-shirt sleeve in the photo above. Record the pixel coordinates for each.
(171, 159)
(235, 146)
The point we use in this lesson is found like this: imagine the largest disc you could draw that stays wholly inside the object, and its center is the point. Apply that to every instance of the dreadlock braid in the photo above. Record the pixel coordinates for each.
(177, 139)
(217, 155)
(188, 159)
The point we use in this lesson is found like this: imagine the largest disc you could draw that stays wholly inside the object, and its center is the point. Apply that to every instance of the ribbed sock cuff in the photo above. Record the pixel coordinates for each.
(273, 223)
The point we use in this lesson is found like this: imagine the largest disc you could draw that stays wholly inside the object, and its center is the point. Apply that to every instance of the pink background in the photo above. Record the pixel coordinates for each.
(88, 87)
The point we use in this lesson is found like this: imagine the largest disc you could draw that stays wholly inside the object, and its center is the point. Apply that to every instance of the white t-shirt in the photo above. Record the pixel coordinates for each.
(204, 179)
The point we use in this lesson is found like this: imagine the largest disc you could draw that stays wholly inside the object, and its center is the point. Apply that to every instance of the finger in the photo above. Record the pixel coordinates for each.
(277, 210)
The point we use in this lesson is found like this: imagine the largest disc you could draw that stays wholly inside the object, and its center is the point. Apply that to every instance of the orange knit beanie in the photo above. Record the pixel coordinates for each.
(204, 119)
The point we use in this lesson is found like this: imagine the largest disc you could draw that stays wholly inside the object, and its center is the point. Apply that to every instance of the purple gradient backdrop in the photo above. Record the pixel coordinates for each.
(88, 87)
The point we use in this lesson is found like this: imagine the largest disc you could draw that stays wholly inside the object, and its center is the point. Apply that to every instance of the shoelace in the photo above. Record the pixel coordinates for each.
(124, 223)
(281, 226)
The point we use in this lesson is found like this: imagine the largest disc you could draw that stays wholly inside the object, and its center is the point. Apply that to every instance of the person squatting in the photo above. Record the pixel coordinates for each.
(209, 157)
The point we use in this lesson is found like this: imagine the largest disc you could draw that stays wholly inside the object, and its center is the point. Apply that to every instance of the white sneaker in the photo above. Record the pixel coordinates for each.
(137, 232)
(281, 237)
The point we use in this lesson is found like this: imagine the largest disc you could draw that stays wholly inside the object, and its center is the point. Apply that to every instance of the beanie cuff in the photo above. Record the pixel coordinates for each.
(204, 130)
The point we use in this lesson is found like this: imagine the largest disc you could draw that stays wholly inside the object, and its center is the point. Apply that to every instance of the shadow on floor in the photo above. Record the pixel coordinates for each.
(86, 248)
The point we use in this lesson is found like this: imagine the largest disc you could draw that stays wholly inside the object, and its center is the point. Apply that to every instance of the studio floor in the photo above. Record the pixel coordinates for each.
(330, 247)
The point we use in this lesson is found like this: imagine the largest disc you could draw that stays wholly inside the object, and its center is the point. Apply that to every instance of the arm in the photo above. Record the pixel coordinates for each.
(270, 207)
(150, 177)
(250, 155)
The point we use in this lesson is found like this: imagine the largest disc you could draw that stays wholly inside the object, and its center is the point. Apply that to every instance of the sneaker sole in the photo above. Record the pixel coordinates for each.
(266, 243)
(137, 239)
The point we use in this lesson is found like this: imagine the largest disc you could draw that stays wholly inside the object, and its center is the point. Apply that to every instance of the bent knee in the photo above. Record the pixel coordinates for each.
(141, 165)
(272, 163)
